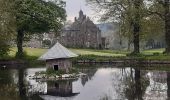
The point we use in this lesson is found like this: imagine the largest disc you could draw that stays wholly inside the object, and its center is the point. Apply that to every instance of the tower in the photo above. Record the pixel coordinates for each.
(81, 14)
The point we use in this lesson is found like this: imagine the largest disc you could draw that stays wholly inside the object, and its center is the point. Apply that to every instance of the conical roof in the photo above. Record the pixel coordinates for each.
(56, 52)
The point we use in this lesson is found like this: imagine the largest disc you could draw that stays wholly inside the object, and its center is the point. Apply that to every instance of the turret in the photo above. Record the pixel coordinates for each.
(80, 14)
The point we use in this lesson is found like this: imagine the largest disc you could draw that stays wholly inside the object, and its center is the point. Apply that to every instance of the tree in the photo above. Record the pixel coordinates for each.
(136, 25)
(161, 8)
(37, 16)
(7, 25)
(126, 12)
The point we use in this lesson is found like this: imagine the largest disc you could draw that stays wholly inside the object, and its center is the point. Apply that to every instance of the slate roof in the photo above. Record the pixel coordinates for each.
(56, 52)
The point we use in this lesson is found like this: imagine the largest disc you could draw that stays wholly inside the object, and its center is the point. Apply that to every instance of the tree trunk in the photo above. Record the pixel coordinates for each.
(167, 26)
(129, 42)
(136, 26)
(20, 37)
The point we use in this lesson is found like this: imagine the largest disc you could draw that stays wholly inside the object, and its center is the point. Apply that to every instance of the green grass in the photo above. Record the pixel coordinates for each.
(33, 52)
(152, 51)
(152, 54)
(98, 52)
(36, 52)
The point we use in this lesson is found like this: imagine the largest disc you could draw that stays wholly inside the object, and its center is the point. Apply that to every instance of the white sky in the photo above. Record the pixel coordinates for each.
(73, 7)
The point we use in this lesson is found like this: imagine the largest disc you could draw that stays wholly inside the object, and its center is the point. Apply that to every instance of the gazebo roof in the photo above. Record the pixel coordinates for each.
(56, 52)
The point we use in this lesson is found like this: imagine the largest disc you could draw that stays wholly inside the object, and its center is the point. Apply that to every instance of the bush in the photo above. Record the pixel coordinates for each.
(156, 54)
(4, 49)
(51, 71)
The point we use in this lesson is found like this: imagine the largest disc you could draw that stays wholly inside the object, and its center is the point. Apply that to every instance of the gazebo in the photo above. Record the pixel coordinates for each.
(58, 58)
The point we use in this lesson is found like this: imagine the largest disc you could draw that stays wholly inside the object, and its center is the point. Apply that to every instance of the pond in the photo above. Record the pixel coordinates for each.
(101, 83)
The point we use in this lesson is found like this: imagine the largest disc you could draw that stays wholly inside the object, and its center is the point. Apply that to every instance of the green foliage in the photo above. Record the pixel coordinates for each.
(73, 70)
(51, 71)
(7, 26)
(4, 48)
(38, 16)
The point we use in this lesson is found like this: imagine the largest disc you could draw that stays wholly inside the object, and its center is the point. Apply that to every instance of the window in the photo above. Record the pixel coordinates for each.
(56, 67)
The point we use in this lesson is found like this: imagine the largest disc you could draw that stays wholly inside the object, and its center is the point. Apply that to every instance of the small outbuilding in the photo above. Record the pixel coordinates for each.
(58, 58)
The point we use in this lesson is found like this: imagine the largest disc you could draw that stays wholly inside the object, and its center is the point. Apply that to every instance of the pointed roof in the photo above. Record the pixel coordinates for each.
(56, 52)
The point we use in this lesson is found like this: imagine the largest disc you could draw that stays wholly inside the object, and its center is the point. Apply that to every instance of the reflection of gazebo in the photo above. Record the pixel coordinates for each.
(60, 88)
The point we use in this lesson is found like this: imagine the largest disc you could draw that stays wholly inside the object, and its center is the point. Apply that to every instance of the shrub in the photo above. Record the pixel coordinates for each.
(156, 54)
(51, 71)
(4, 49)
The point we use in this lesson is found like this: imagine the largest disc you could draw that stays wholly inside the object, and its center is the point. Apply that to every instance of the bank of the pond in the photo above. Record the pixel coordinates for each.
(27, 61)
(124, 60)
(153, 56)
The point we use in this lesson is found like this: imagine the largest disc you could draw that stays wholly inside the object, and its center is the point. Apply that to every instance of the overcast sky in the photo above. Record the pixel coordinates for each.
(73, 7)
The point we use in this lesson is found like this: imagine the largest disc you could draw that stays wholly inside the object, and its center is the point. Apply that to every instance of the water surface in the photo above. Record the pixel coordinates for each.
(101, 83)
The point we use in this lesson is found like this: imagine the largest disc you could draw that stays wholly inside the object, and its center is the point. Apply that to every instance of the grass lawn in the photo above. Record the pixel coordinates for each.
(98, 52)
(38, 52)
(34, 53)
(152, 51)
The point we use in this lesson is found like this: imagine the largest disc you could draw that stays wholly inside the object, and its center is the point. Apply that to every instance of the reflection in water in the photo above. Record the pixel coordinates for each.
(22, 87)
(168, 84)
(60, 88)
(157, 90)
(99, 84)
(138, 90)
(35, 86)
(8, 87)
(132, 84)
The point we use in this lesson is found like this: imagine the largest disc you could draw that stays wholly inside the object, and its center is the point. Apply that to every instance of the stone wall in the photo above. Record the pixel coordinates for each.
(83, 33)
(63, 64)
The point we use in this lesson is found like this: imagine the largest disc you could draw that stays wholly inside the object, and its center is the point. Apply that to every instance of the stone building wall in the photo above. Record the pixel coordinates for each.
(63, 64)
(83, 33)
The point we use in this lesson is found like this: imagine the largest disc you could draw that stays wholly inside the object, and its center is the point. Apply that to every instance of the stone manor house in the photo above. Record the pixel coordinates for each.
(82, 33)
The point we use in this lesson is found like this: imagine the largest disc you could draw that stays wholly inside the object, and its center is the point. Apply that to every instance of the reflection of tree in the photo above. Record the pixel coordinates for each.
(168, 84)
(138, 86)
(22, 87)
(134, 85)
(106, 97)
(8, 90)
